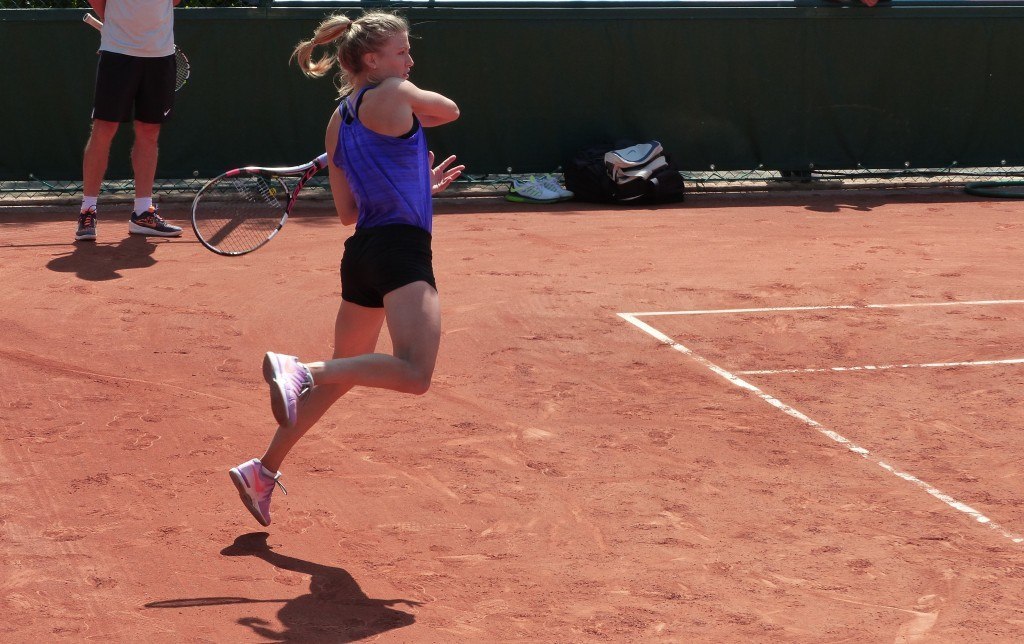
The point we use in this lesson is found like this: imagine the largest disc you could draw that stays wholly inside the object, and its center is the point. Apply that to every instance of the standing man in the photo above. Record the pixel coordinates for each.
(134, 81)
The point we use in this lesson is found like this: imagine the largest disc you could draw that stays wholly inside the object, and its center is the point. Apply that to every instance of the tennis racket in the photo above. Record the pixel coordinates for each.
(182, 66)
(243, 209)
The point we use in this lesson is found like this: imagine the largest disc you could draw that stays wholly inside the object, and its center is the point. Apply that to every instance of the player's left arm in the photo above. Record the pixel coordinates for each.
(441, 175)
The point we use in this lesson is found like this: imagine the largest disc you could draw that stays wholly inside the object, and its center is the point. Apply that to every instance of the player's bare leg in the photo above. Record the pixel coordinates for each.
(144, 157)
(356, 331)
(414, 321)
(97, 154)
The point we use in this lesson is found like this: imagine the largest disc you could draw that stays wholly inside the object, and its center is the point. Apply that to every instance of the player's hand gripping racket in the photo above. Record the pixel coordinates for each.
(243, 209)
(183, 69)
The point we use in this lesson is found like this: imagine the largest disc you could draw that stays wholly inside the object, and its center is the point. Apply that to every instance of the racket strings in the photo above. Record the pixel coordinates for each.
(239, 214)
(256, 190)
(182, 69)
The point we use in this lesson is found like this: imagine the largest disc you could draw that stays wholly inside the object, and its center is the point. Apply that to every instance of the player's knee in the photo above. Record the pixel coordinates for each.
(418, 384)
(147, 132)
(103, 131)
(419, 387)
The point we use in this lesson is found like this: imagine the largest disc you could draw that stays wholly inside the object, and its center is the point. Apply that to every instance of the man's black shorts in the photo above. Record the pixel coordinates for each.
(127, 84)
(380, 259)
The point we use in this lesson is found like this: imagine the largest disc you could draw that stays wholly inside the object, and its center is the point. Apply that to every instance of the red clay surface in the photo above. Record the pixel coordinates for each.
(568, 477)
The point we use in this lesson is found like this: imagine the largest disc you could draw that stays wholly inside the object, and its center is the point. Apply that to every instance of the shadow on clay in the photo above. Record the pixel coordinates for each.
(334, 610)
(98, 262)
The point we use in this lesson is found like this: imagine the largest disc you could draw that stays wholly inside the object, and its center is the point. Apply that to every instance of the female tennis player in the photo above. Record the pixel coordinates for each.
(382, 180)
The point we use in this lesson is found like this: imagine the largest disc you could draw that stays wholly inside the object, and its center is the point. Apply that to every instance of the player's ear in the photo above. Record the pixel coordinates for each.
(370, 61)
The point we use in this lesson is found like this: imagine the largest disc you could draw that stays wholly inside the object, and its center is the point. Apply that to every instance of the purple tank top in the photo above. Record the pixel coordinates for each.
(389, 176)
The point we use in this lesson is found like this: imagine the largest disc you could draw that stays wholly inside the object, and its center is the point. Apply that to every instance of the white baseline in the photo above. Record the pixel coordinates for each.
(883, 367)
(836, 307)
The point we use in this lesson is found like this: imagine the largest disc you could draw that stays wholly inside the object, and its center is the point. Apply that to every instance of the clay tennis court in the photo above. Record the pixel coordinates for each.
(572, 475)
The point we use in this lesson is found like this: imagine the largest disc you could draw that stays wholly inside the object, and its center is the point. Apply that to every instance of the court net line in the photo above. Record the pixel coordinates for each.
(825, 431)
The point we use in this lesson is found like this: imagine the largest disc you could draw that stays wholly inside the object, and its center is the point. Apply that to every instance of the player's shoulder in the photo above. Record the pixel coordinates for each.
(334, 120)
(398, 86)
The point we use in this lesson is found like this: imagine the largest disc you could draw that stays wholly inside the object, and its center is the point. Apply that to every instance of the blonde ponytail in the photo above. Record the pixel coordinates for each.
(353, 39)
(331, 29)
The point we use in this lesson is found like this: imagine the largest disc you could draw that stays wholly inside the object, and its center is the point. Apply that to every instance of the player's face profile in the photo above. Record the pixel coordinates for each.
(394, 58)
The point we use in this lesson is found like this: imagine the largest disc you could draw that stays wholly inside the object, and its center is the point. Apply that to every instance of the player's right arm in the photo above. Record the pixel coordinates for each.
(344, 201)
(431, 108)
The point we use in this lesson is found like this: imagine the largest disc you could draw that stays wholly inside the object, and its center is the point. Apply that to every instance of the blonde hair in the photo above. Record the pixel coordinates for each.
(353, 39)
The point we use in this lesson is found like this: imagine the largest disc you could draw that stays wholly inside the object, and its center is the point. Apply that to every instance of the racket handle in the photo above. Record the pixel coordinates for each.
(92, 21)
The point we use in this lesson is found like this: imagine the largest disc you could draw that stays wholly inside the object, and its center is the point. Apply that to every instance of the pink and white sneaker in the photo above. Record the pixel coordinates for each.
(255, 484)
(290, 381)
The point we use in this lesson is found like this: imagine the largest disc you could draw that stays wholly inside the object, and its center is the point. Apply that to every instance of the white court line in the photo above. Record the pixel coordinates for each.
(807, 420)
(836, 307)
(883, 367)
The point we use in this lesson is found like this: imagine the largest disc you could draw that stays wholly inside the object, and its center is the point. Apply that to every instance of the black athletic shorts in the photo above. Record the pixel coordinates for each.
(380, 259)
(130, 84)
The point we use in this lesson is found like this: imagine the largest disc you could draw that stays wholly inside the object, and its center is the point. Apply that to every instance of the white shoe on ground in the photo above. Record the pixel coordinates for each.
(530, 191)
(549, 182)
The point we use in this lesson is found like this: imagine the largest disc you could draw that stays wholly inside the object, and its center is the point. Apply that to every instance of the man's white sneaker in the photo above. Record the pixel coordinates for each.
(552, 184)
(290, 381)
(530, 191)
(255, 484)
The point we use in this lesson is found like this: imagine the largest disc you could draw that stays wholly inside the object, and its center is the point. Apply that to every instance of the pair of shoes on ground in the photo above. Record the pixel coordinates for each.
(148, 223)
(290, 382)
(537, 189)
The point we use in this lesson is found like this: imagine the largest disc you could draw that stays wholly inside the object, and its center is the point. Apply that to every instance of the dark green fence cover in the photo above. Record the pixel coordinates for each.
(777, 85)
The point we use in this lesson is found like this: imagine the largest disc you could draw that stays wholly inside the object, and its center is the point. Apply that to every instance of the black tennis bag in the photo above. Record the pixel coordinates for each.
(624, 174)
